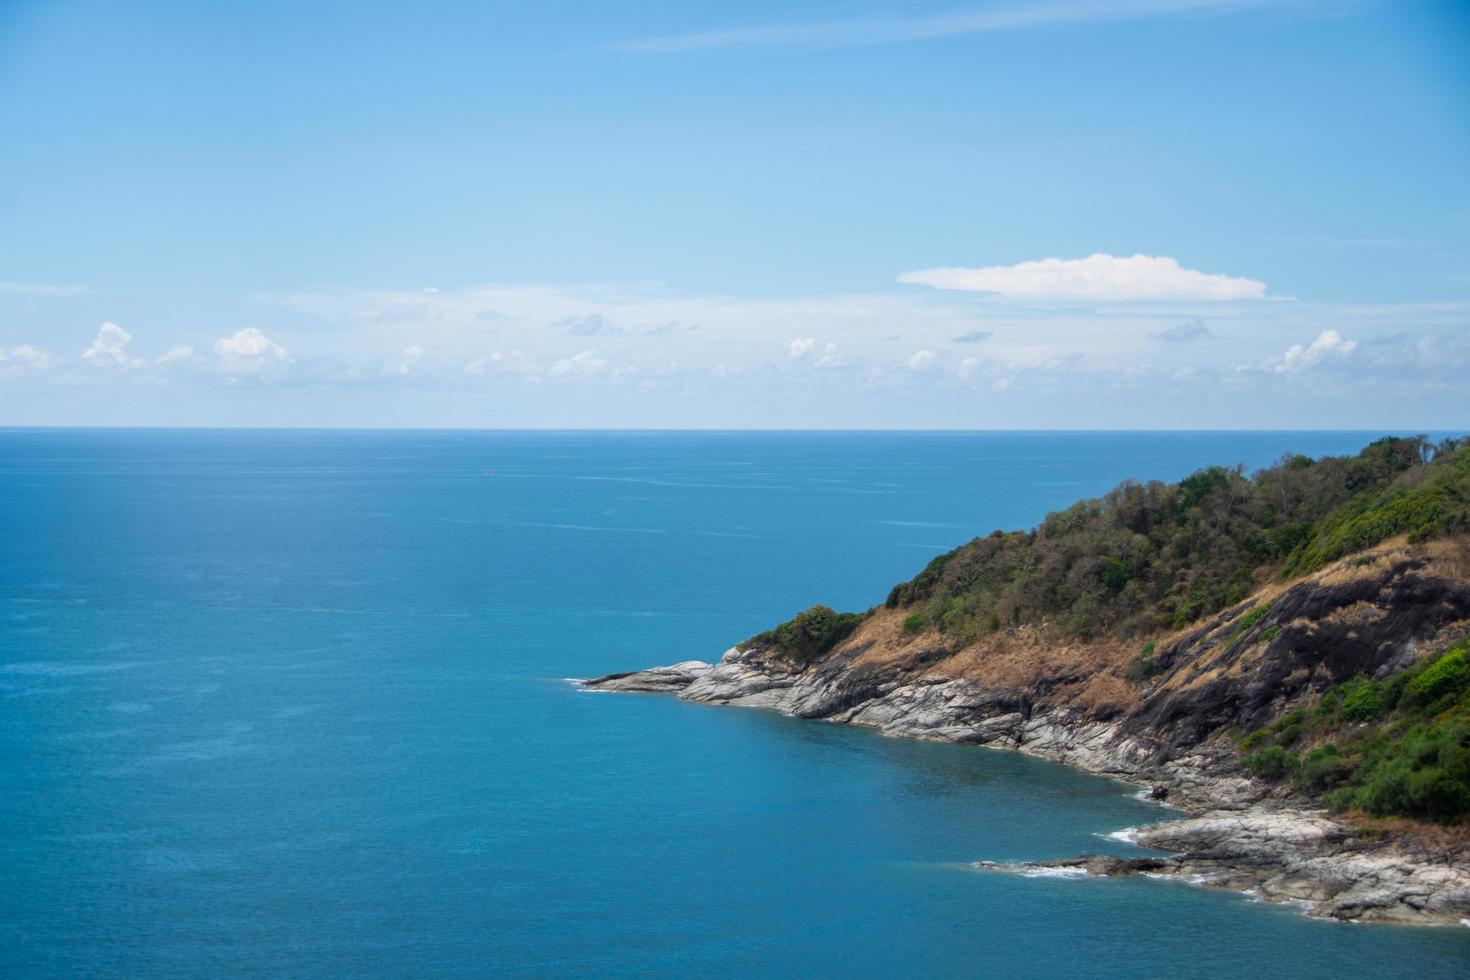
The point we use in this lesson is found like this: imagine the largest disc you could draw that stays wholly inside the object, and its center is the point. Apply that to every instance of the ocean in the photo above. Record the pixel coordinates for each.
(295, 702)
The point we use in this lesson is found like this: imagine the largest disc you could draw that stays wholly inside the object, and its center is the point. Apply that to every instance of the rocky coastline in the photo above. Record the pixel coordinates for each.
(1240, 834)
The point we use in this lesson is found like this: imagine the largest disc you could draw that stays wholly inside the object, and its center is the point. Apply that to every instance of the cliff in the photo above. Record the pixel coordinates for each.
(1335, 681)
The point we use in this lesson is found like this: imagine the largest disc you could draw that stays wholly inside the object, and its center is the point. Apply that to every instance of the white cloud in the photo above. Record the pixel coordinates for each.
(891, 30)
(109, 349)
(1298, 358)
(250, 343)
(825, 348)
(1097, 277)
(412, 354)
(175, 354)
(584, 364)
(27, 357)
(921, 359)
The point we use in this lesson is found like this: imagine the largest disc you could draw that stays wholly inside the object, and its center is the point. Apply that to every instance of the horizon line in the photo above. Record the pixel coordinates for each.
(1417, 430)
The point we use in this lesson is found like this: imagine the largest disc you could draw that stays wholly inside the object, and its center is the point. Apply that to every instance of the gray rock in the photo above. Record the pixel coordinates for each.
(661, 680)
(1242, 838)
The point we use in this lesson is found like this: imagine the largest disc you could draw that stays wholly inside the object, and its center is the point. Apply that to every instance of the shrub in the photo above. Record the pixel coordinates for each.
(1290, 728)
(1416, 761)
(1447, 675)
(1427, 775)
(1273, 763)
(1251, 618)
(914, 623)
(1361, 699)
(809, 634)
(1321, 769)
(1143, 666)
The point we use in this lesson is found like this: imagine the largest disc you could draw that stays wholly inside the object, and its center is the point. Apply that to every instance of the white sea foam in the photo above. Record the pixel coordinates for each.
(1053, 872)
(1128, 835)
(1199, 881)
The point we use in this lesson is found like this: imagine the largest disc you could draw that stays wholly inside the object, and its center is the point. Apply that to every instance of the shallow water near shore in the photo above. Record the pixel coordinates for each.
(294, 702)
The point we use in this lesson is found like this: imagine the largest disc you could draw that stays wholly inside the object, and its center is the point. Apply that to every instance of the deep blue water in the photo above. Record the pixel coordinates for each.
(292, 703)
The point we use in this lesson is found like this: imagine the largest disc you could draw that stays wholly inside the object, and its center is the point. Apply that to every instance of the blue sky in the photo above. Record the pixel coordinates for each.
(1117, 213)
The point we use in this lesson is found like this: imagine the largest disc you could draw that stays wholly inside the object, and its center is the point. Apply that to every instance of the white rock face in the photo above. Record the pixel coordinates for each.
(1237, 841)
(664, 680)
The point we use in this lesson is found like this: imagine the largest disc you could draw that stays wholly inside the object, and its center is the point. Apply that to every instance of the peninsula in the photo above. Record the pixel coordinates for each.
(1282, 655)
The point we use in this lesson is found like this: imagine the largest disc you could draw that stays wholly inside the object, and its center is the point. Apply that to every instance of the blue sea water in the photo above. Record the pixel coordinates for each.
(293, 703)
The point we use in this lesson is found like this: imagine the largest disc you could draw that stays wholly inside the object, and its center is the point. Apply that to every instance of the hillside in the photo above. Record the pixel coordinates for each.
(1253, 649)
(1292, 610)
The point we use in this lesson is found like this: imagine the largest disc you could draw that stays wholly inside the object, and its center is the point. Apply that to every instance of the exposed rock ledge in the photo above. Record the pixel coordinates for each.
(1240, 838)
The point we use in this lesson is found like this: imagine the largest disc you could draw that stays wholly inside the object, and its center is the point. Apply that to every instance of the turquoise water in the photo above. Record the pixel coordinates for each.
(292, 703)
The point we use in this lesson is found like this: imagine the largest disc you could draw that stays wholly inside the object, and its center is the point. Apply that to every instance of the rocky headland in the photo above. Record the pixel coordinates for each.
(1182, 717)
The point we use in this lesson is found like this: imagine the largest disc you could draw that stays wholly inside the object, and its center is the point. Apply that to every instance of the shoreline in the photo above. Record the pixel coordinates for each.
(1232, 835)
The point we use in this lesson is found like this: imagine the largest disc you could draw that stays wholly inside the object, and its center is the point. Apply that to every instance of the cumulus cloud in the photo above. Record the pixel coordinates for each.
(25, 357)
(176, 354)
(109, 349)
(412, 354)
(515, 362)
(973, 337)
(583, 364)
(921, 359)
(1099, 277)
(770, 348)
(1185, 332)
(1298, 358)
(250, 343)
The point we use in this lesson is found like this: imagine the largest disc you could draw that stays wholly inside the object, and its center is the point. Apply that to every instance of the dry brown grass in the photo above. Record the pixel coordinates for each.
(1091, 673)
(1451, 842)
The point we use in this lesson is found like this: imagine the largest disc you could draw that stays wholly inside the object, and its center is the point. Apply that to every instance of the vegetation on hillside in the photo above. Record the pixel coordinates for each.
(809, 634)
(1151, 556)
(1389, 748)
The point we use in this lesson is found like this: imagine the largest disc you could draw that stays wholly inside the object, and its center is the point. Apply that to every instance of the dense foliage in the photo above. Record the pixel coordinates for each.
(1413, 760)
(808, 634)
(1151, 555)
(1154, 556)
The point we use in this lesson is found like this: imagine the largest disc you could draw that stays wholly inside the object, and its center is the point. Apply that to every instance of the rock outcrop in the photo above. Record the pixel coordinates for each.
(1289, 856)
(1171, 731)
